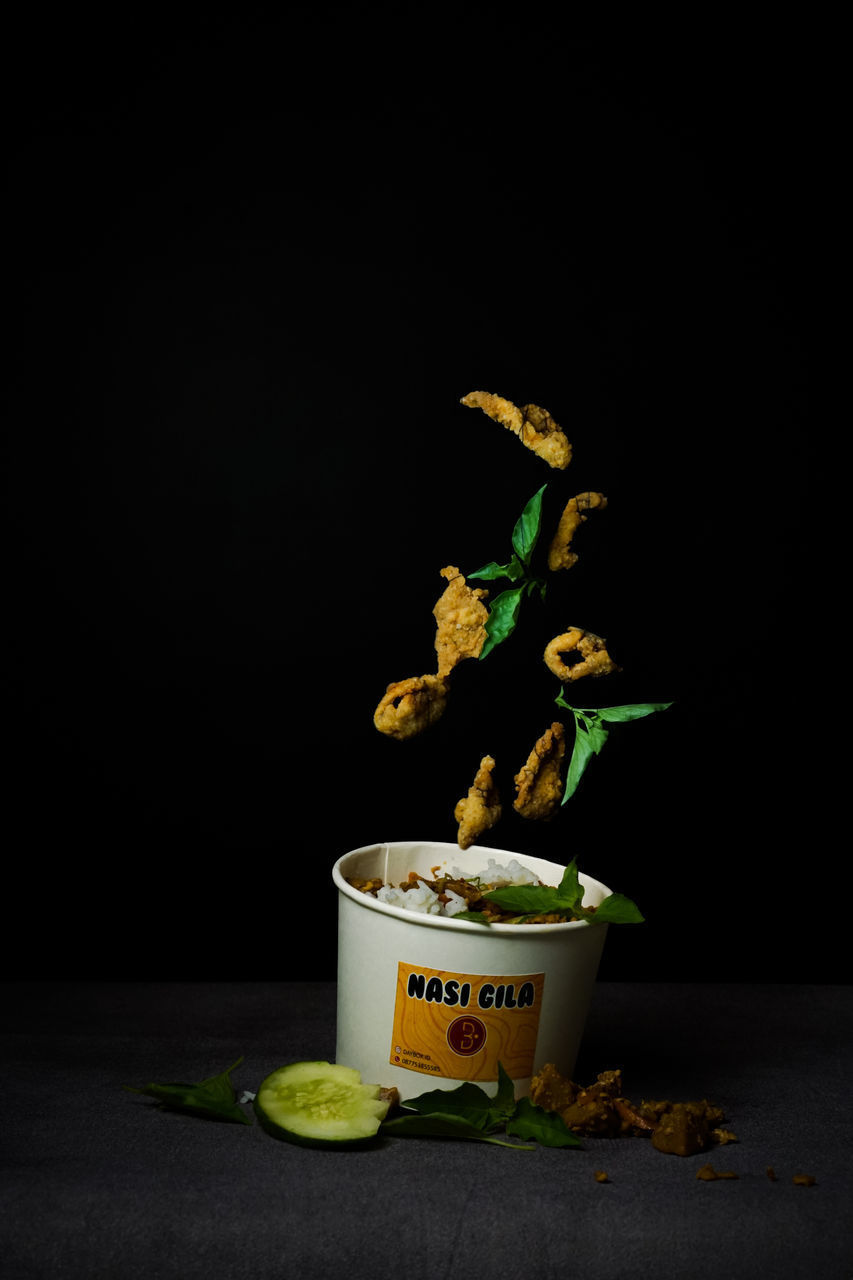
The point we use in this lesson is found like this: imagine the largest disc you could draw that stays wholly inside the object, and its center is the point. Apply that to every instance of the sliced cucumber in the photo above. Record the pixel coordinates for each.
(320, 1104)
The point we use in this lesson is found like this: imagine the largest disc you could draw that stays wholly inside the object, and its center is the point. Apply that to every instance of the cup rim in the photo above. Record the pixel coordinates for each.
(445, 922)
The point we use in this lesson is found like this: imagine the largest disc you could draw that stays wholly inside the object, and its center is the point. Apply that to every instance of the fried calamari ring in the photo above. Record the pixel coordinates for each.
(461, 617)
(535, 427)
(481, 808)
(539, 785)
(560, 555)
(588, 652)
(410, 706)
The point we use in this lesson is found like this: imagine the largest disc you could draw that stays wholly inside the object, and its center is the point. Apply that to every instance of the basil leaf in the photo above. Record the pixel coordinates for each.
(617, 909)
(526, 899)
(569, 889)
(502, 619)
(469, 1102)
(545, 1127)
(631, 710)
(214, 1098)
(581, 756)
(441, 1125)
(591, 736)
(503, 1103)
(525, 535)
(513, 569)
(476, 917)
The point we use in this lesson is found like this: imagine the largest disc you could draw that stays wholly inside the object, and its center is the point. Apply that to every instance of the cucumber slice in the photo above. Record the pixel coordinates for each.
(320, 1104)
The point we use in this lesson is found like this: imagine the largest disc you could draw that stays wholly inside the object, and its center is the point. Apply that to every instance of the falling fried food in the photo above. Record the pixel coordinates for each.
(539, 785)
(560, 555)
(534, 426)
(586, 651)
(412, 705)
(481, 808)
(461, 617)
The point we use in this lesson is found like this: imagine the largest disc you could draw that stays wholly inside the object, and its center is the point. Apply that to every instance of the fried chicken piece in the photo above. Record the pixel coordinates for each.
(481, 808)
(538, 784)
(412, 705)
(461, 617)
(534, 426)
(560, 555)
(588, 652)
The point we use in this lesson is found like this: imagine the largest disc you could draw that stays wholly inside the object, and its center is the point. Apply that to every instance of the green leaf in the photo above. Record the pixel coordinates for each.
(441, 1125)
(513, 569)
(476, 917)
(570, 889)
(502, 619)
(525, 535)
(526, 899)
(214, 1098)
(617, 909)
(591, 736)
(581, 755)
(545, 1127)
(631, 710)
(565, 899)
(503, 1103)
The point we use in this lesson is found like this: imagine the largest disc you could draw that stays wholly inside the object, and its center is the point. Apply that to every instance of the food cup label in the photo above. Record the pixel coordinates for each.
(461, 1025)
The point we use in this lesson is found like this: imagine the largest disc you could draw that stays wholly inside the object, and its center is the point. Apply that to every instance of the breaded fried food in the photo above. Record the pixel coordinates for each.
(410, 706)
(539, 784)
(560, 554)
(587, 654)
(481, 808)
(461, 617)
(534, 426)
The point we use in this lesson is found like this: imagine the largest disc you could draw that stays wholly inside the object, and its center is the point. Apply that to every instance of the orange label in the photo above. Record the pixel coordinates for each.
(461, 1025)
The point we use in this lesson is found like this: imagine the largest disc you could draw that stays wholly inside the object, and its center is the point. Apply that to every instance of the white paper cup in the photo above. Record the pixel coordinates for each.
(427, 1002)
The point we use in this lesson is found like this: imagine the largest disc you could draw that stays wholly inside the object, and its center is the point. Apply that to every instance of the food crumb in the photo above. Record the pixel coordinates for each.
(804, 1180)
(600, 1176)
(709, 1174)
(771, 1173)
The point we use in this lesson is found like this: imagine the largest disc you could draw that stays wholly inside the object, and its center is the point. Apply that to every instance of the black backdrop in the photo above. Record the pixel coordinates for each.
(255, 266)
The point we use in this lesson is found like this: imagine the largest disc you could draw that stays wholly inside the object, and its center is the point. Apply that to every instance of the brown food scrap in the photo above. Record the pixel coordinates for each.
(771, 1173)
(680, 1132)
(410, 706)
(461, 617)
(586, 651)
(534, 426)
(600, 1176)
(539, 784)
(709, 1174)
(683, 1128)
(593, 1108)
(391, 1095)
(481, 808)
(804, 1180)
(366, 886)
(601, 1109)
(560, 554)
(550, 1090)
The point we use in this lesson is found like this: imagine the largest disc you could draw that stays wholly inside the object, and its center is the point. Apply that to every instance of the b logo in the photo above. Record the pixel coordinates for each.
(466, 1036)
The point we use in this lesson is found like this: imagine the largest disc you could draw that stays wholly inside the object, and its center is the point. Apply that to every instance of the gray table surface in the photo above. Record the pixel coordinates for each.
(98, 1182)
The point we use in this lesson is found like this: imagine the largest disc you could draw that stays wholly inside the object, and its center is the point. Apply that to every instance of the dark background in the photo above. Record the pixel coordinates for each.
(254, 267)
